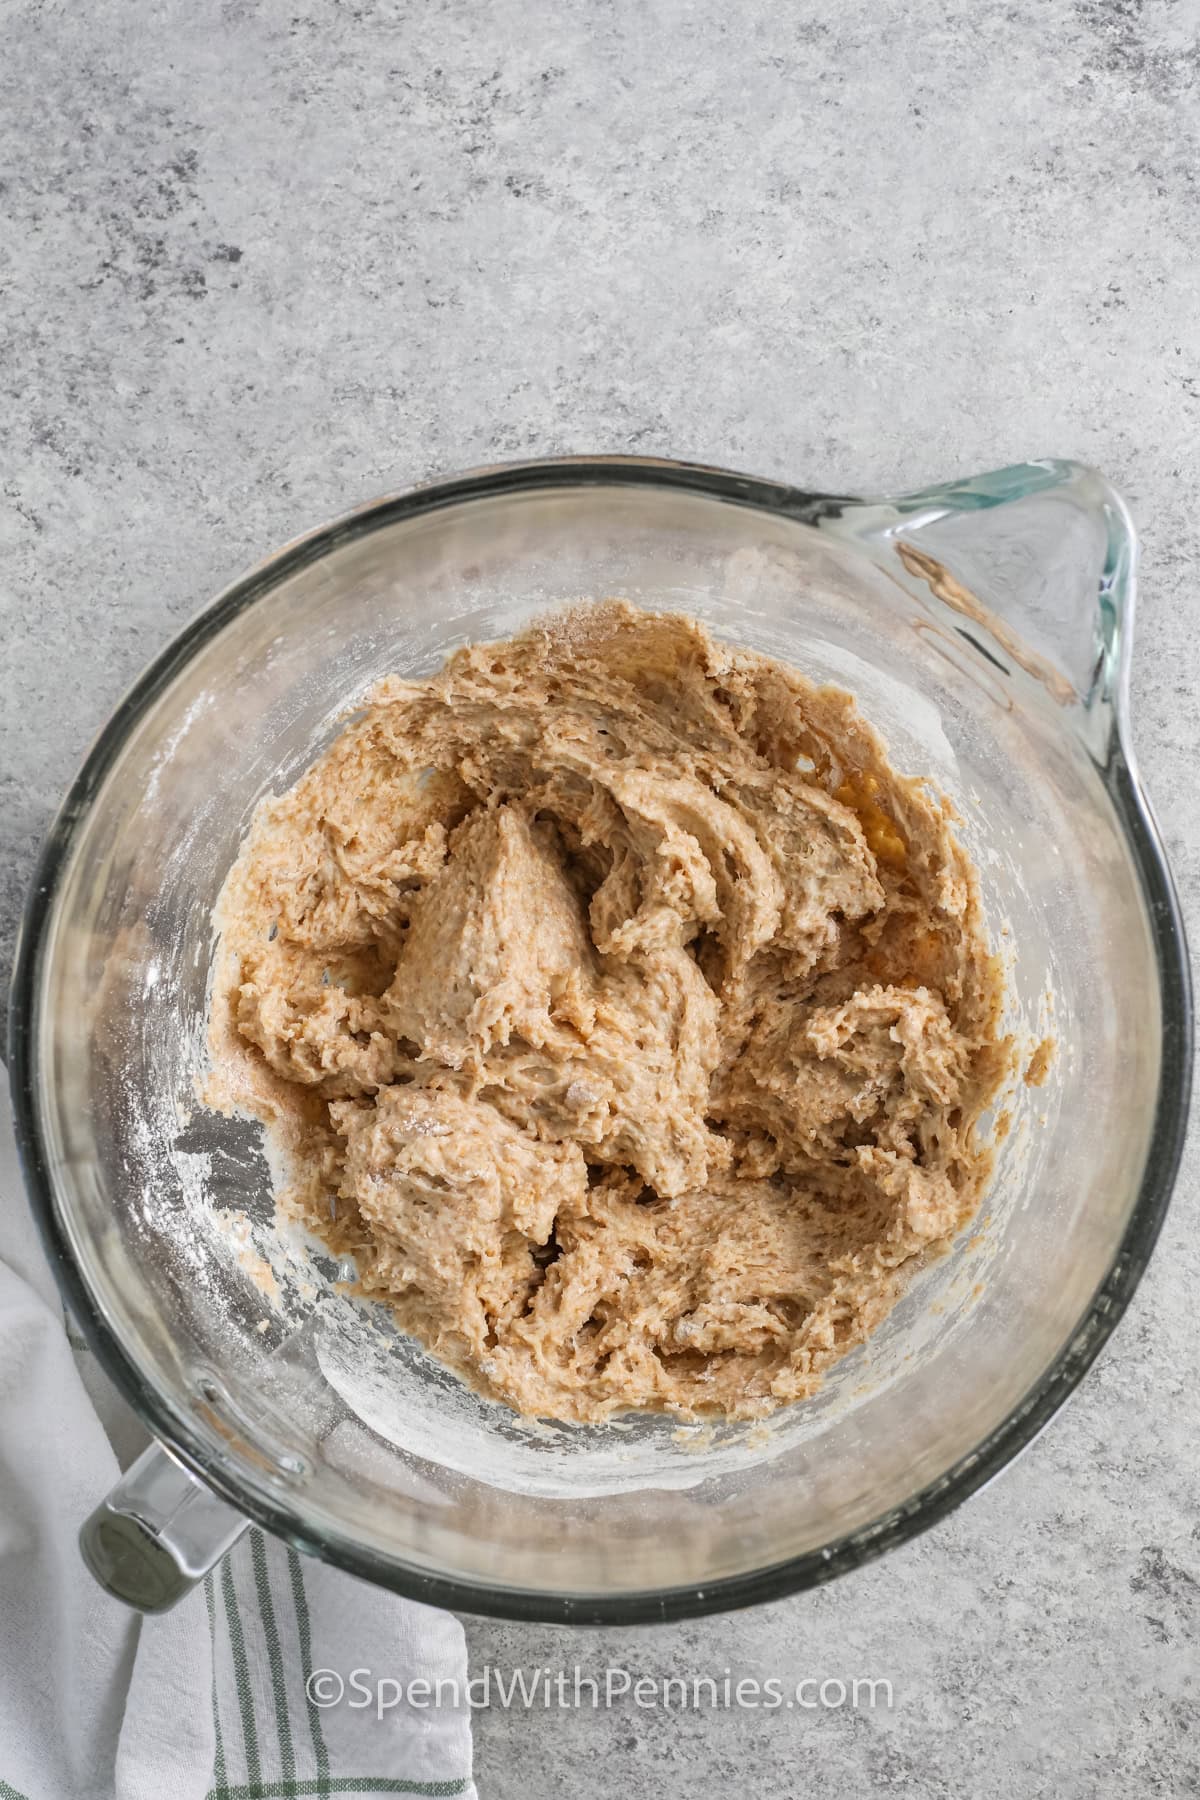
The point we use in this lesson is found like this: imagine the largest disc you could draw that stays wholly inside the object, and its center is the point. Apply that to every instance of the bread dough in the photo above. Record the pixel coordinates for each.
(621, 1012)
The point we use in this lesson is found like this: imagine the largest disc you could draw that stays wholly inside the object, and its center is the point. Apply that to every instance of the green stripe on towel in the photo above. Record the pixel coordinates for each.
(338, 1784)
(304, 1627)
(220, 1775)
(258, 1557)
(241, 1674)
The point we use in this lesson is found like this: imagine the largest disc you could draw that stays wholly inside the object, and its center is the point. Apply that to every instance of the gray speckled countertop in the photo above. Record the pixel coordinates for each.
(266, 260)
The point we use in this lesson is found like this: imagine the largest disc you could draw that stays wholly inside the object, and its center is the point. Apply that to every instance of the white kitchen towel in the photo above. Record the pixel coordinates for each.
(277, 1678)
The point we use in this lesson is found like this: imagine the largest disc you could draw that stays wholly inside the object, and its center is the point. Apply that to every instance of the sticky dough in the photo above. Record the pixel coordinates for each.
(621, 1012)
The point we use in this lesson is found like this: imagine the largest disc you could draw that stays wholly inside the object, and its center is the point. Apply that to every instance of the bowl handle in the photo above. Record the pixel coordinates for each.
(157, 1533)
(1036, 565)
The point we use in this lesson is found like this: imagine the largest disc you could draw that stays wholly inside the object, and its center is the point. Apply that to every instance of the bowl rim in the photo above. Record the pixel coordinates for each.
(899, 1524)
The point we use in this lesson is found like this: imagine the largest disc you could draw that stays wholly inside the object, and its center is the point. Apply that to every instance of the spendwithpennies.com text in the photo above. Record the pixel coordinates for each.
(577, 1689)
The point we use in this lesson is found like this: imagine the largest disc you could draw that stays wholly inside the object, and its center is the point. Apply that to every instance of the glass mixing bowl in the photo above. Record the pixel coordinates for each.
(985, 628)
